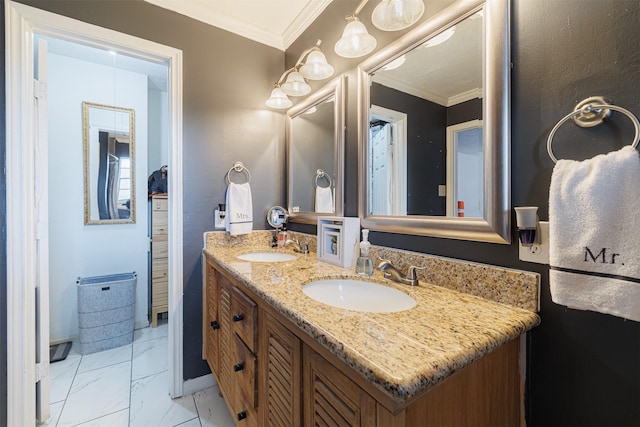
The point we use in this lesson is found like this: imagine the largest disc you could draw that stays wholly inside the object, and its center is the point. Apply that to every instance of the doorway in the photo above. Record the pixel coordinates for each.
(386, 162)
(28, 277)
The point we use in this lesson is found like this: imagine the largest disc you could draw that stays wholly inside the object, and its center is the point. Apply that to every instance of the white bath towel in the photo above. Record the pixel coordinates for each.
(594, 230)
(324, 200)
(239, 219)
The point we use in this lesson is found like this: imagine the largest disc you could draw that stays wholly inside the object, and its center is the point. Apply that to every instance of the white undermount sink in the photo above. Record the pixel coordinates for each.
(358, 295)
(267, 257)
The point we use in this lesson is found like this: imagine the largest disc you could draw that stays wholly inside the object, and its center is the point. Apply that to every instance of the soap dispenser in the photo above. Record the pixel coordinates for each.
(364, 264)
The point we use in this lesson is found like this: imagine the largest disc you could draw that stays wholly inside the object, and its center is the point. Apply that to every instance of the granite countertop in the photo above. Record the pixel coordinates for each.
(403, 353)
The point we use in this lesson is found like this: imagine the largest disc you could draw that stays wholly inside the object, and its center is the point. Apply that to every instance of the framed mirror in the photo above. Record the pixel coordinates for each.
(315, 146)
(109, 164)
(433, 128)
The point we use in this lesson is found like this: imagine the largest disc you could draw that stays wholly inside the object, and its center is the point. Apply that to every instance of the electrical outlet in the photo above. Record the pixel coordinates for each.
(219, 220)
(539, 252)
(442, 190)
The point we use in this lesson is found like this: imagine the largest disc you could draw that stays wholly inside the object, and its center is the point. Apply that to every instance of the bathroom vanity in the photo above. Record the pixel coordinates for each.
(281, 358)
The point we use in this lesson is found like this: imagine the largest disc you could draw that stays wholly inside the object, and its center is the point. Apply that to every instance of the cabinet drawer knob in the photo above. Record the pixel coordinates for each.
(238, 317)
(238, 367)
(242, 415)
(215, 324)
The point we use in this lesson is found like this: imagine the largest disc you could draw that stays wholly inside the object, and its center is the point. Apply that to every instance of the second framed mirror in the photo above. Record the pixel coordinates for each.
(315, 147)
(433, 128)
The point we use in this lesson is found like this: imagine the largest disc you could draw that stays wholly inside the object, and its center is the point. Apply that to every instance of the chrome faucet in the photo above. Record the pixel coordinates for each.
(297, 247)
(392, 273)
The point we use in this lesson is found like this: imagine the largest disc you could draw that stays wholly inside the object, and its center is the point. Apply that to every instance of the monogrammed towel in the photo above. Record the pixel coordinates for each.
(594, 233)
(239, 219)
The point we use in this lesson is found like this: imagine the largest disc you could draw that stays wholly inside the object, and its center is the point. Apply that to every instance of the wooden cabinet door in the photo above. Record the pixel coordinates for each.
(225, 288)
(331, 398)
(211, 324)
(281, 368)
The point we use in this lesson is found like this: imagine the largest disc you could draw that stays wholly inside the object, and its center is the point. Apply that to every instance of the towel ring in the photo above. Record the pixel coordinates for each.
(591, 112)
(238, 167)
(321, 174)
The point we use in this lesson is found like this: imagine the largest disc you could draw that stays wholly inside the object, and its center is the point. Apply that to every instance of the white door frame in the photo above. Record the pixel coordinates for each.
(21, 22)
(399, 119)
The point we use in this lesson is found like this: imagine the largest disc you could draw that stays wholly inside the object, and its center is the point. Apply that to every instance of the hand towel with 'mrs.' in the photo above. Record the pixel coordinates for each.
(239, 219)
(594, 231)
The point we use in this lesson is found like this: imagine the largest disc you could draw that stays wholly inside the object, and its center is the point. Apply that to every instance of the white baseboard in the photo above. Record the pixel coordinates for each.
(197, 384)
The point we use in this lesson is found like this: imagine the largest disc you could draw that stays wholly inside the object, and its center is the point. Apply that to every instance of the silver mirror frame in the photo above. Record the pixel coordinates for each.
(86, 140)
(335, 88)
(495, 226)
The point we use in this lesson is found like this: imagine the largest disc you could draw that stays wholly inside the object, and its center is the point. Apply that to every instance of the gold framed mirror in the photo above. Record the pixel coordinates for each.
(433, 128)
(109, 164)
(315, 145)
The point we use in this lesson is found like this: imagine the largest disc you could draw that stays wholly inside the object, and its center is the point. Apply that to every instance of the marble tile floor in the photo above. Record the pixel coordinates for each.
(128, 387)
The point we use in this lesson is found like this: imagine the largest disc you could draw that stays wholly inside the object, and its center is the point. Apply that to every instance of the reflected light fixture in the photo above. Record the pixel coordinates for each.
(314, 68)
(440, 38)
(356, 40)
(395, 15)
(396, 63)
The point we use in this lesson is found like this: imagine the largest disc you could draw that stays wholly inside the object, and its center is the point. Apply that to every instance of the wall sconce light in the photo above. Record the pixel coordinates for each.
(278, 99)
(389, 15)
(395, 15)
(314, 68)
(527, 223)
(356, 40)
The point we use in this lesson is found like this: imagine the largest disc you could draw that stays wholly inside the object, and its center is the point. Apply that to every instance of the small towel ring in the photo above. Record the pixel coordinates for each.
(321, 174)
(591, 112)
(238, 167)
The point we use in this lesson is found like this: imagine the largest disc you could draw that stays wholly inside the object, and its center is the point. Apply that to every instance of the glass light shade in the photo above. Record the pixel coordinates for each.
(396, 63)
(440, 38)
(355, 41)
(394, 15)
(278, 99)
(295, 85)
(316, 67)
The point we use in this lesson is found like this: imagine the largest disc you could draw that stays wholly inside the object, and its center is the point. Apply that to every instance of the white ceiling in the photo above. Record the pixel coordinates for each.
(276, 23)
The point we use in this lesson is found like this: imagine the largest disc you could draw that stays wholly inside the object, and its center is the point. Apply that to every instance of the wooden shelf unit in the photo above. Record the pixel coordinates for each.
(159, 256)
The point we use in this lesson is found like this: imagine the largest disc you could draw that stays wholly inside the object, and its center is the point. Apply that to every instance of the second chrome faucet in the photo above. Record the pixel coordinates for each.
(392, 273)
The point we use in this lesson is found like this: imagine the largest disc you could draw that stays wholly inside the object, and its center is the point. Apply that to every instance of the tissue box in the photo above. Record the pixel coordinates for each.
(338, 239)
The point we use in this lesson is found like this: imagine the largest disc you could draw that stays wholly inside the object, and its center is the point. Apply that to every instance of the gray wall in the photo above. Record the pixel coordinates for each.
(584, 367)
(226, 81)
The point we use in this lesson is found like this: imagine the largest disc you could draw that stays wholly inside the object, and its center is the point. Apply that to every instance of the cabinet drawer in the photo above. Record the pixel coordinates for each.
(159, 223)
(159, 293)
(159, 270)
(244, 374)
(159, 203)
(160, 247)
(244, 314)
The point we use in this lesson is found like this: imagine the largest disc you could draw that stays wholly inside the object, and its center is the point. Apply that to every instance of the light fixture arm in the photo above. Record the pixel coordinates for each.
(358, 9)
(300, 61)
(284, 76)
(307, 52)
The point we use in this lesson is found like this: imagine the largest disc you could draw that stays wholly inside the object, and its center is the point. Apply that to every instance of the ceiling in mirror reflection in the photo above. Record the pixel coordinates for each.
(422, 72)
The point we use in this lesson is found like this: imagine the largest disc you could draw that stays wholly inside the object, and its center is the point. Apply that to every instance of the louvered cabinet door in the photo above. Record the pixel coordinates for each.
(224, 313)
(281, 353)
(331, 398)
(211, 324)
